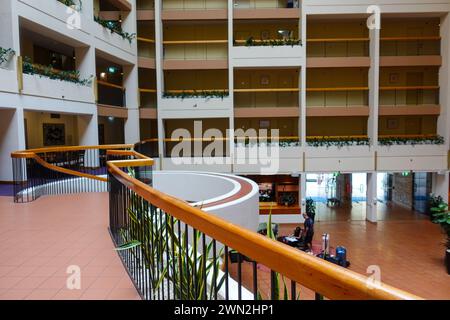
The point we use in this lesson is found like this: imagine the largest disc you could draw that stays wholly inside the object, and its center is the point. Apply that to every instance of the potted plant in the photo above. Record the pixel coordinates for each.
(441, 216)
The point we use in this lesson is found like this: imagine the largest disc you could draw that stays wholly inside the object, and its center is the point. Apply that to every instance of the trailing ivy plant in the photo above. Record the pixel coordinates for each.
(337, 141)
(6, 54)
(167, 254)
(251, 42)
(50, 72)
(76, 5)
(282, 143)
(115, 27)
(389, 141)
(197, 94)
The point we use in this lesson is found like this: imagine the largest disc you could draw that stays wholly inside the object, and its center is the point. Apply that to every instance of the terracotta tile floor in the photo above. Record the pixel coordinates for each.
(40, 240)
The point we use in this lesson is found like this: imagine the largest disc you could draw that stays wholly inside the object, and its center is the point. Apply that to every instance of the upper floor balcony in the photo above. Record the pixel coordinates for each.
(267, 92)
(110, 88)
(410, 42)
(205, 90)
(266, 9)
(145, 9)
(146, 44)
(338, 42)
(269, 42)
(195, 46)
(194, 10)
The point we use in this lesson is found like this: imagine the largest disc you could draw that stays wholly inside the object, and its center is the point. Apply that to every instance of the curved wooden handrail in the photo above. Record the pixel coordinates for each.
(147, 90)
(323, 277)
(34, 154)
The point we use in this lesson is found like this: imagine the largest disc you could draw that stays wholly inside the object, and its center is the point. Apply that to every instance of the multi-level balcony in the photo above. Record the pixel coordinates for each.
(146, 44)
(145, 10)
(193, 45)
(110, 89)
(192, 90)
(266, 92)
(267, 42)
(194, 10)
(337, 43)
(410, 42)
(50, 69)
(266, 9)
(201, 144)
(147, 90)
(113, 25)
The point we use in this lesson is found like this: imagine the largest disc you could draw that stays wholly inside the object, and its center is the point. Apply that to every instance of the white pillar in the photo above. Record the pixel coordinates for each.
(302, 194)
(159, 75)
(131, 80)
(374, 85)
(12, 138)
(443, 123)
(302, 82)
(371, 206)
(88, 130)
(440, 185)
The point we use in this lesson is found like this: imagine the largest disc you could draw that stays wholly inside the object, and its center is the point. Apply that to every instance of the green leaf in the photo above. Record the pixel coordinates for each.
(128, 245)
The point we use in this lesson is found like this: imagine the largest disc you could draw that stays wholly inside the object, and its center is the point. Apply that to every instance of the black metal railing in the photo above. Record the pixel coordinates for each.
(171, 258)
(56, 171)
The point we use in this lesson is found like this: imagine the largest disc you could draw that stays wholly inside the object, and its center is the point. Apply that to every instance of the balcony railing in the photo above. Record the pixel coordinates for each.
(409, 95)
(195, 5)
(266, 4)
(337, 97)
(338, 47)
(410, 46)
(196, 50)
(110, 94)
(146, 48)
(148, 98)
(266, 97)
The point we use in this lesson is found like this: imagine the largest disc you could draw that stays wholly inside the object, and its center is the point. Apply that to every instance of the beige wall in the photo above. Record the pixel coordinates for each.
(194, 4)
(35, 133)
(410, 28)
(336, 126)
(196, 80)
(114, 130)
(244, 30)
(318, 29)
(266, 78)
(409, 76)
(288, 127)
(337, 77)
(392, 125)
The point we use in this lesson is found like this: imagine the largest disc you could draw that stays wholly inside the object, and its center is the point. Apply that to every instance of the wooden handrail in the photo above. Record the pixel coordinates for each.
(107, 84)
(410, 38)
(316, 274)
(145, 40)
(338, 39)
(28, 153)
(337, 89)
(147, 90)
(175, 42)
(410, 88)
(267, 90)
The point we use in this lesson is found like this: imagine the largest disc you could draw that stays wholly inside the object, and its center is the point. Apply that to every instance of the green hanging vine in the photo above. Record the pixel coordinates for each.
(115, 27)
(251, 42)
(221, 94)
(337, 141)
(54, 74)
(389, 141)
(6, 54)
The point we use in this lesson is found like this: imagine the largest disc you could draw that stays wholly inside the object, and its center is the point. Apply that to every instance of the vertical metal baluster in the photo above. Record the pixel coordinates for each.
(239, 271)
(255, 280)
(205, 258)
(227, 273)
(188, 278)
(293, 290)
(194, 273)
(215, 268)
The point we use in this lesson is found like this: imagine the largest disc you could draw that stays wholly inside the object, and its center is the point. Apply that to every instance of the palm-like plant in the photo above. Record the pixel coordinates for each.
(441, 216)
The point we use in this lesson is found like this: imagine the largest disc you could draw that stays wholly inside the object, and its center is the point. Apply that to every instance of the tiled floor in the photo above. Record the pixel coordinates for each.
(410, 254)
(39, 241)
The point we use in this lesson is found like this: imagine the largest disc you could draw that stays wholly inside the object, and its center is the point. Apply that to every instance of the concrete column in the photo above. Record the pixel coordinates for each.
(374, 85)
(231, 143)
(88, 130)
(302, 82)
(371, 207)
(131, 81)
(443, 123)
(440, 185)
(302, 193)
(12, 138)
(159, 74)
(86, 65)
